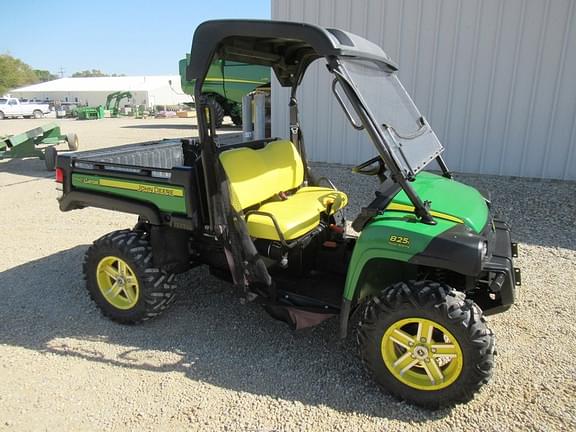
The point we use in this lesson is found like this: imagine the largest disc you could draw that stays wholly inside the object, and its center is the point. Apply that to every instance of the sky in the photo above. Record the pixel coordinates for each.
(123, 36)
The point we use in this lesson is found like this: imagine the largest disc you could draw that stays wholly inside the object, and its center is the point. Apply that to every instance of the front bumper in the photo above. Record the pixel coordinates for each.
(499, 270)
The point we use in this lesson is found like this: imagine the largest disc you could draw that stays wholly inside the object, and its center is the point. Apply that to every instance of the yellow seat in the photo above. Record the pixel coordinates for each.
(257, 177)
(297, 215)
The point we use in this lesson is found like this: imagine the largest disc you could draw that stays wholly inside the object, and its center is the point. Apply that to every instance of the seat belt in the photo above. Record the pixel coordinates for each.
(298, 140)
(245, 264)
(294, 125)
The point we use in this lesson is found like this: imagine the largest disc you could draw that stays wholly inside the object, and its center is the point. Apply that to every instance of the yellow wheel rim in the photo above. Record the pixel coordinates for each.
(422, 354)
(117, 282)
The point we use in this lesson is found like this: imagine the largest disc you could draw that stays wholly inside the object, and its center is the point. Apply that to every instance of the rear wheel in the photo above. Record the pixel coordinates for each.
(2, 115)
(426, 344)
(50, 155)
(122, 280)
(37, 114)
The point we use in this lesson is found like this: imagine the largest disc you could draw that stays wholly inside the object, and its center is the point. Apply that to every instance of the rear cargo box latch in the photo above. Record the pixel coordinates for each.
(517, 276)
(514, 247)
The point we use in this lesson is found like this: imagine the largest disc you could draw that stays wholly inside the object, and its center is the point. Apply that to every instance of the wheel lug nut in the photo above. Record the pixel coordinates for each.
(423, 340)
(433, 350)
(410, 343)
(427, 360)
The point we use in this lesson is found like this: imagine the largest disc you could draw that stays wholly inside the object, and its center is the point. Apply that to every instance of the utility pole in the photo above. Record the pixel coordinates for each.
(61, 72)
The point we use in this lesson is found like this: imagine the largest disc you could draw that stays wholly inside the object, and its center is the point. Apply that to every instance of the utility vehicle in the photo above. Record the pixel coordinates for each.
(429, 260)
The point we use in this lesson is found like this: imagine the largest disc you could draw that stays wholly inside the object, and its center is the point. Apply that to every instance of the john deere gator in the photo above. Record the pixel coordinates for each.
(426, 258)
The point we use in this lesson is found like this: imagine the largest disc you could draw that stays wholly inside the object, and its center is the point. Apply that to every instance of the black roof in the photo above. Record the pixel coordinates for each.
(288, 47)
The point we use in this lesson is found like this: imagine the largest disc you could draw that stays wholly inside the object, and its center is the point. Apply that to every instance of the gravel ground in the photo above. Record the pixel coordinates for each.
(210, 363)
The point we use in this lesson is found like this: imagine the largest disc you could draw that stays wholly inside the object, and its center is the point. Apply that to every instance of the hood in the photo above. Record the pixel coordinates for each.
(450, 200)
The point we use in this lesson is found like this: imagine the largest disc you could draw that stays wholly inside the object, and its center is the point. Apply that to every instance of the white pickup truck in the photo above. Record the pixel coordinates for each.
(12, 107)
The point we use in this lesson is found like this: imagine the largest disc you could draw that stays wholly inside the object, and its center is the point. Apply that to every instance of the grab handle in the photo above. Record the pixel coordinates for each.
(355, 125)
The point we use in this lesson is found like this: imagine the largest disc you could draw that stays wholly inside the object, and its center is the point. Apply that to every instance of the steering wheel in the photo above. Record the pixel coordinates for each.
(361, 169)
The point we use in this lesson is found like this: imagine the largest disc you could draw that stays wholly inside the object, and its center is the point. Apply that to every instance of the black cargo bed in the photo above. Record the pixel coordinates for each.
(156, 158)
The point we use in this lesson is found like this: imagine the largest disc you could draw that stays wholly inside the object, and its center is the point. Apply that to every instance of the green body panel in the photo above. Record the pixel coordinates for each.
(398, 235)
(239, 79)
(167, 198)
(450, 197)
(24, 144)
(90, 113)
(375, 242)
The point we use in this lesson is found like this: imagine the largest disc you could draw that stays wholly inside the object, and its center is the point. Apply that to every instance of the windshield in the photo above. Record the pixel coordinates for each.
(409, 137)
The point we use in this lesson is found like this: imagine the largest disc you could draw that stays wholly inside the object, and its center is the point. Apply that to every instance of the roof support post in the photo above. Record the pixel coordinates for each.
(208, 155)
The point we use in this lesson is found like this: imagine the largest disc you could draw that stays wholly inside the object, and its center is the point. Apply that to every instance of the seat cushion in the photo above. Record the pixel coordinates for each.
(257, 175)
(297, 215)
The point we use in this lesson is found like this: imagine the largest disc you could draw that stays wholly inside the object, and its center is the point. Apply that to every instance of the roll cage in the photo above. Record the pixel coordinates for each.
(289, 48)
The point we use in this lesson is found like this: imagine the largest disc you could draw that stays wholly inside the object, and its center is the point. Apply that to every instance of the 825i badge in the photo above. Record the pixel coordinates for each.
(399, 240)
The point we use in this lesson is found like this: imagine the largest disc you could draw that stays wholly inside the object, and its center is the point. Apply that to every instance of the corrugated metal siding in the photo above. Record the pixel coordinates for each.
(496, 80)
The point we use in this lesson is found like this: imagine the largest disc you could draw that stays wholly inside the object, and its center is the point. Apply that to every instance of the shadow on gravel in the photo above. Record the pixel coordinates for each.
(28, 167)
(207, 335)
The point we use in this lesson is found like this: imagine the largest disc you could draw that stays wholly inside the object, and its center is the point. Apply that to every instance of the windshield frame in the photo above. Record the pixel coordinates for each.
(414, 148)
(382, 138)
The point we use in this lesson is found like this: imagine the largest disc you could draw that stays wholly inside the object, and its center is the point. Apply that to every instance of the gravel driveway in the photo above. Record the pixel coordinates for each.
(210, 363)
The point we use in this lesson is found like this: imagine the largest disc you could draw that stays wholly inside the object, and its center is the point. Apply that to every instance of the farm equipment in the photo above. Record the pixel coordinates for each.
(39, 142)
(113, 102)
(226, 83)
(141, 112)
(90, 113)
(428, 257)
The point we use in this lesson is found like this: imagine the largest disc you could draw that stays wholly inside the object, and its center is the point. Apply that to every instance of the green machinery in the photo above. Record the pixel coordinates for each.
(90, 113)
(38, 142)
(113, 102)
(225, 85)
(428, 256)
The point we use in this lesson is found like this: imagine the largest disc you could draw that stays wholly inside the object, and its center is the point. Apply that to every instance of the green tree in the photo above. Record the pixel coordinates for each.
(89, 73)
(44, 75)
(14, 73)
(94, 73)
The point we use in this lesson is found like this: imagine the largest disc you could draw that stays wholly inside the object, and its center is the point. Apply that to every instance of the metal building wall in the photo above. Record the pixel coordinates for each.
(496, 80)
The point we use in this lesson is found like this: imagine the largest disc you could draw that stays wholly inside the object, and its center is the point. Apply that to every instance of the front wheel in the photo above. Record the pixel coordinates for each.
(122, 280)
(426, 344)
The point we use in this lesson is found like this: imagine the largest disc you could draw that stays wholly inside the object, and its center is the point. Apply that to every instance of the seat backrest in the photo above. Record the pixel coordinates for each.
(257, 175)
